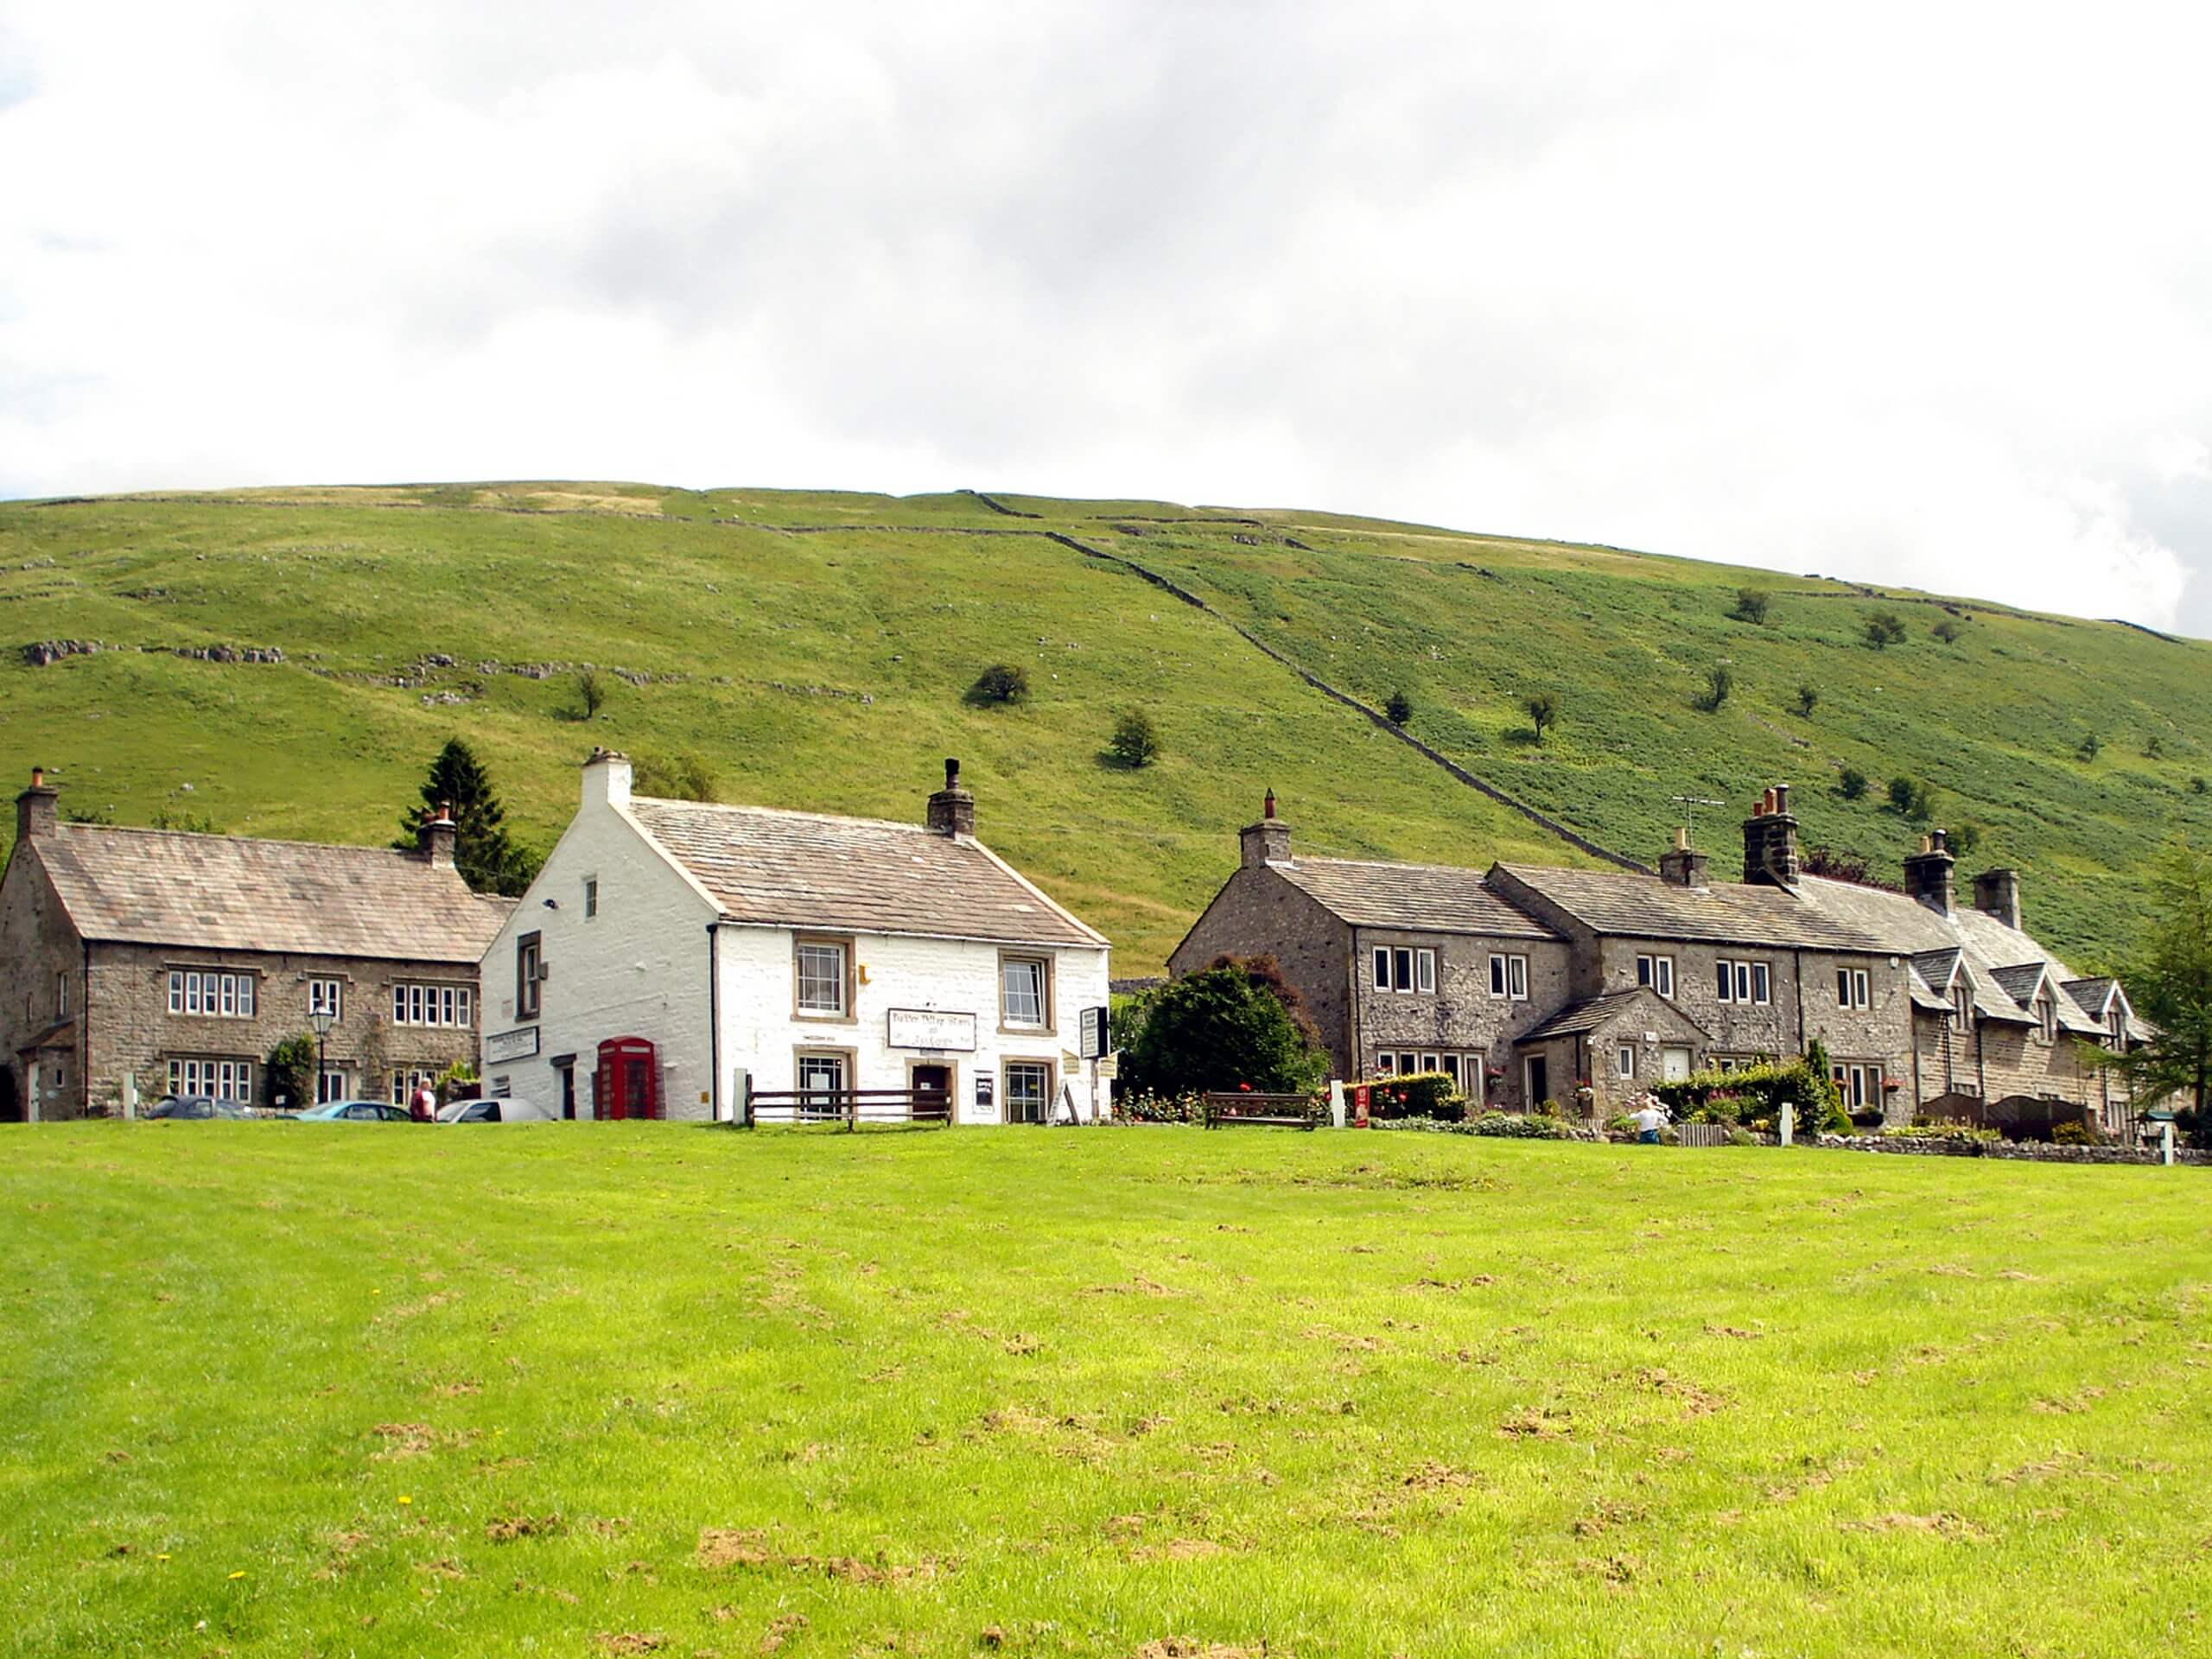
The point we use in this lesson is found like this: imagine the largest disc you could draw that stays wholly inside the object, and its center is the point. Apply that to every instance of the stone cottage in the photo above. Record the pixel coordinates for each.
(1525, 982)
(673, 954)
(179, 960)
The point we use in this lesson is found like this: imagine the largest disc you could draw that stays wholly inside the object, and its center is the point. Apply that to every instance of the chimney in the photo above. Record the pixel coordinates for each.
(1927, 872)
(606, 779)
(1997, 893)
(952, 809)
(434, 838)
(1682, 866)
(35, 812)
(1770, 841)
(1267, 842)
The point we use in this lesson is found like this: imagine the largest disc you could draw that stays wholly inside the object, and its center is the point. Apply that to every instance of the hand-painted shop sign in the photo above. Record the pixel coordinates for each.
(502, 1046)
(928, 1028)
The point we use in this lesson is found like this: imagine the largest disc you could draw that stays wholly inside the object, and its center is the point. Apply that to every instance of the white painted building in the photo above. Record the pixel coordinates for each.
(670, 952)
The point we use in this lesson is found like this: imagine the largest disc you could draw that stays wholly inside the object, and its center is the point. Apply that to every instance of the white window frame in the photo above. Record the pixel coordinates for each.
(210, 993)
(1405, 970)
(1040, 970)
(449, 1007)
(1625, 1060)
(820, 1073)
(839, 954)
(1853, 988)
(403, 1084)
(1657, 972)
(1736, 980)
(216, 1079)
(530, 963)
(1043, 1068)
(1509, 976)
(1859, 1082)
(2046, 1013)
(327, 995)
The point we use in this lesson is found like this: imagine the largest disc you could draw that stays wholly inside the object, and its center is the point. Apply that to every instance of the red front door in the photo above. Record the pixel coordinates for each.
(628, 1080)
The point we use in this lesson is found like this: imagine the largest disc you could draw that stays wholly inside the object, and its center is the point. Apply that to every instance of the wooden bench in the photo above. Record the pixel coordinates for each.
(851, 1107)
(1268, 1111)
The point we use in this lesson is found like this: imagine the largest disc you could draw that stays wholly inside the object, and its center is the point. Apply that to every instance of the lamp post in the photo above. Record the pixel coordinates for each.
(321, 1020)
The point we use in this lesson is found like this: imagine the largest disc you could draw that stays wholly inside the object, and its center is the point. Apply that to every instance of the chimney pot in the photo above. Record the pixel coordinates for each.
(37, 811)
(1927, 873)
(1267, 842)
(1770, 841)
(1268, 807)
(952, 809)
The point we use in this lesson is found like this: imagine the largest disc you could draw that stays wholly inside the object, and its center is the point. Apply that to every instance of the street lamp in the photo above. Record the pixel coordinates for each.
(320, 1019)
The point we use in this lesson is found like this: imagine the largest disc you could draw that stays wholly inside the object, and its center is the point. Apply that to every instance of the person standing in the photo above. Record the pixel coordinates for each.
(1648, 1121)
(423, 1108)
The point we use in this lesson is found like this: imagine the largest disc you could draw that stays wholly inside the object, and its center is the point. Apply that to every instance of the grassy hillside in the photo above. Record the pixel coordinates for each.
(814, 648)
(1125, 1393)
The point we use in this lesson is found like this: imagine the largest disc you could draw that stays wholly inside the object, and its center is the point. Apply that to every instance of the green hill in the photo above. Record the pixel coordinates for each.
(814, 648)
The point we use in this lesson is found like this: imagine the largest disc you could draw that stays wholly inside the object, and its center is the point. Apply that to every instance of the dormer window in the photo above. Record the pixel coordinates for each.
(1961, 1003)
(2047, 1014)
(2116, 1022)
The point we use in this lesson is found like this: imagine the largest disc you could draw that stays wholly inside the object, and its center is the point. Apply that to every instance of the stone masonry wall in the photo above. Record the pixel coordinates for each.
(1462, 1014)
(36, 945)
(1257, 912)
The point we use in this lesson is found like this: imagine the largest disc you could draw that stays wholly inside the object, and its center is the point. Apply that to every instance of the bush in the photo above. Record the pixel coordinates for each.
(1418, 1094)
(1966, 835)
(1754, 1095)
(1001, 682)
(591, 693)
(1145, 1106)
(1751, 605)
(2074, 1134)
(1884, 629)
(1928, 1129)
(1911, 798)
(1809, 698)
(291, 1072)
(1399, 709)
(1134, 743)
(1544, 712)
(1949, 629)
(1852, 783)
(1225, 1026)
(2090, 748)
(679, 776)
(1719, 681)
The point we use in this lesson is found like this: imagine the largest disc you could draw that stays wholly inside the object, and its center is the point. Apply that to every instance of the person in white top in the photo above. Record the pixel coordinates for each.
(1648, 1121)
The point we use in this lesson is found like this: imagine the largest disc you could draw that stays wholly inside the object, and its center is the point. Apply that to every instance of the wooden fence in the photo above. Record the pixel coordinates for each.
(851, 1107)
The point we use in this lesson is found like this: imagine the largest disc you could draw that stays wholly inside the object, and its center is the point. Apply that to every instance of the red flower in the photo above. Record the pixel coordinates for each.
(1246, 1087)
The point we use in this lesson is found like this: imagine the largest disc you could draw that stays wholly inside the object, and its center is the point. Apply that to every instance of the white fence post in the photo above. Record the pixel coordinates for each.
(1789, 1122)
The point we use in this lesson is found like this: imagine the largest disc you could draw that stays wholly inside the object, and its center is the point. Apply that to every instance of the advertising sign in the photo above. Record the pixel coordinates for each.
(501, 1047)
(928, 1028)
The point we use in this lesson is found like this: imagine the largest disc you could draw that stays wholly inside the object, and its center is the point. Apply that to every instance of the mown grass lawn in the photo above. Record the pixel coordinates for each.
(276, 1389)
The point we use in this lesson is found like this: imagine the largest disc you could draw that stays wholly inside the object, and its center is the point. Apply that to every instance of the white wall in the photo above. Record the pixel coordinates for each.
(761, 1035)
(639, 969)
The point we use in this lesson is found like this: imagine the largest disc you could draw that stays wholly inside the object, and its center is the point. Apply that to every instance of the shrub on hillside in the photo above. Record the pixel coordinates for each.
(1911, 798)
(1751, 605)
(1966, 835)
(1949, 628)
(2090, 748)
(1399, 709)
(1135, 741)
(682, 776)
(1884, 629)
(1809, 698)
(1719, 681)
(1001, 682)
(1544, 712)
(1850, 783)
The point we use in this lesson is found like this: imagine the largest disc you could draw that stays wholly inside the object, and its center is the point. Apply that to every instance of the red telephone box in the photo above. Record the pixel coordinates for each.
(628, 1084)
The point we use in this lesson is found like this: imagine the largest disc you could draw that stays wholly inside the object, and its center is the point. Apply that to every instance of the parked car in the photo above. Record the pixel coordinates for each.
(194, 1109)
(493, 1111)
(355, 1111)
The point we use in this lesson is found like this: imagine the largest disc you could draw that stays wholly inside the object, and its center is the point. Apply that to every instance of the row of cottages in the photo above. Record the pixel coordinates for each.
(178, 962)
(673, 958)
(1523, 982)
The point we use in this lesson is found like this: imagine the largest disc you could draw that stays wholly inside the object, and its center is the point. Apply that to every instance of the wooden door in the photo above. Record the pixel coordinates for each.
(932, 1087)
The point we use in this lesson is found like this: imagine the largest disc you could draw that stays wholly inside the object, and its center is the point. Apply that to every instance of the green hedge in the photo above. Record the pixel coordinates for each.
(1505, 1125)
(1752, 1095)
(1418, 1094)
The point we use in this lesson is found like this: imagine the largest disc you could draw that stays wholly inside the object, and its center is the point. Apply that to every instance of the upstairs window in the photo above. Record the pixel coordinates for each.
(1508, 977)
(529, 961)
(1024, 1001)
(591, 897)
(820, 965)
(1657, 972)
(221, 996)
(433, 1005)
(1744, 982)
(1962, 1003)
(326, 997)
(2047, 1015)
(1403, 969)
(1851, 990)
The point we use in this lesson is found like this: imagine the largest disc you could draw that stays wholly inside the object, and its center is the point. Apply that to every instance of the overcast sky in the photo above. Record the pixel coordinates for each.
(1918, 296)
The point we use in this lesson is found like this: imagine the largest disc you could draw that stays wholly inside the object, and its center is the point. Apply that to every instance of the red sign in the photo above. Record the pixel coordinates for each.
(1359, 1106)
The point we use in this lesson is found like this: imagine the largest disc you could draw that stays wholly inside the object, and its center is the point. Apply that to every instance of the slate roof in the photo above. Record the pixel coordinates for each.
(1577, 1018)
(864, 875)
(1424, 898)
(232, 893)
(1644, 906)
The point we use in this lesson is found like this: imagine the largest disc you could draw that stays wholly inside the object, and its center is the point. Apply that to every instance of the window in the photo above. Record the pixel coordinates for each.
(591, 897)
(1402, 969)
(61, 996)
(1744, 982)
(1465, 1068)
(820, 978)
(1657, 972)
(1851, 989)
(530, 966)
(1962, 1003)
(2116, 1022)
(329, 1086)
(824, 1074)
(1025, 1000)
(1625, 1060)
(202, 991)
(1509, 976)
(1861, 1086)
(326, 997)
(434, 1005)
(2047, 1015)
(1029, 1091)
(404, 1083)
(220, 1079)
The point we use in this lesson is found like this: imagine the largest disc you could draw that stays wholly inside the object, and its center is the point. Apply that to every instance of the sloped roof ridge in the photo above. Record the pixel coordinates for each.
(786, 812)
(78, 827)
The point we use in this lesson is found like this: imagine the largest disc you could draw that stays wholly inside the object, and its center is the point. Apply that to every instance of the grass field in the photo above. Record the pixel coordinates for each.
(813, 649)
(277, 1390)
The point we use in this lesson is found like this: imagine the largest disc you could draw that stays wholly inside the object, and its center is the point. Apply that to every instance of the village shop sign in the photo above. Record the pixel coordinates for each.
(927, 1028)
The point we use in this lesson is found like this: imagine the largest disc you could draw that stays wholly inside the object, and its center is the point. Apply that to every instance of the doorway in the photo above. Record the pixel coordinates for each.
(1538, 1072)
(11, 1105)
(931, 1083)
(1674, 1064)
(565, 1069)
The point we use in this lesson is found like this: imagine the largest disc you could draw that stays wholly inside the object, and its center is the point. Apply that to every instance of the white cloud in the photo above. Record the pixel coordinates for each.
(1915, 295)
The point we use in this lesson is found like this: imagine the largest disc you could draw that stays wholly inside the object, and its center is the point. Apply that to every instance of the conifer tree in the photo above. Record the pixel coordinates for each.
(487, 857)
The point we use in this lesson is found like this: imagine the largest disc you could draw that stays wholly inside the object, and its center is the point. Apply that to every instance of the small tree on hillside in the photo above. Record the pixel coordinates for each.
(1949, 628)
(1001, 682)
(2171, 988)
(1719, 681)
(1221, 1028)
(591, 692)
(489, 860)
(1911, 799)
(1751, 605)
(1544, 712)
(1884, 629)
(2091, 746)
(1135, 741)
(1809, 698)
(1399, 709)
(1851, 784)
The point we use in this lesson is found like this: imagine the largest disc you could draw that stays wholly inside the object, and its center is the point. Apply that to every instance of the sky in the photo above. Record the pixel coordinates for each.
(1917, 294)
